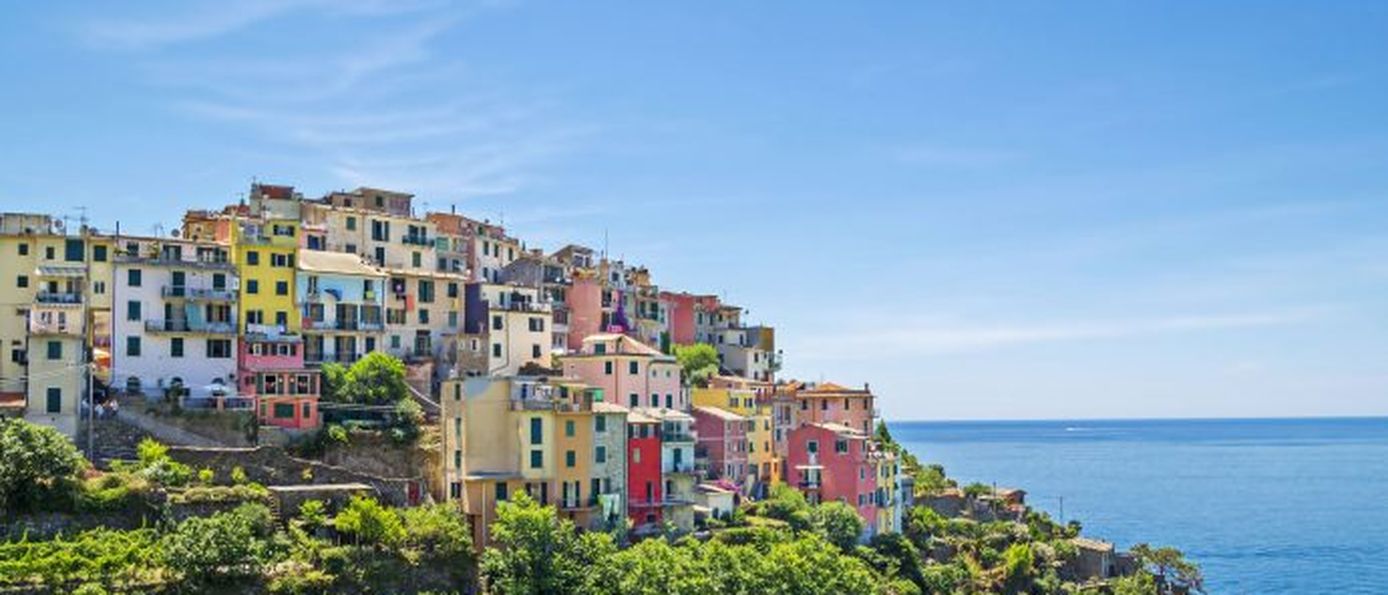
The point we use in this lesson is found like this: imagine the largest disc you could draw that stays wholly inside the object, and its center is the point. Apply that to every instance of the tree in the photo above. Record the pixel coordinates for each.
(698, 362)
(1173, 572)
(222, 546)
(377, 379)
(536, 552)
(903, 556)
(369, 523)
(839, 523)
(36, 458)
(440, 530)
(1017, 571)
(334, 382)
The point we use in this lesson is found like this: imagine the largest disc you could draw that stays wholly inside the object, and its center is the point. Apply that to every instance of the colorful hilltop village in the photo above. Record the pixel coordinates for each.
(551, 374)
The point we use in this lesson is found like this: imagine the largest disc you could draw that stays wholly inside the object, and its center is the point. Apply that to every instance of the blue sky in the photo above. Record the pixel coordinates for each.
(985, 210)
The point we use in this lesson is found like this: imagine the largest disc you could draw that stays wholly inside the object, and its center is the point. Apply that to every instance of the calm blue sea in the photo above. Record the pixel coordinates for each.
(1264, 506)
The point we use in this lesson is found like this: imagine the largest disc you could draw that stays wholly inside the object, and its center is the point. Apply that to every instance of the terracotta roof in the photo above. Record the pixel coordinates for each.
(625, 344)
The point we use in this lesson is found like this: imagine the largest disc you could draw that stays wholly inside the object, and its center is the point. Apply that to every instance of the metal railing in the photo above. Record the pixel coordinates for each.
(183, 326)
(58, 297)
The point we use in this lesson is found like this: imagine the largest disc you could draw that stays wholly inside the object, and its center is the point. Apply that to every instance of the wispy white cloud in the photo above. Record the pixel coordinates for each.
(931, 338)
(361, 109)
(195, 21)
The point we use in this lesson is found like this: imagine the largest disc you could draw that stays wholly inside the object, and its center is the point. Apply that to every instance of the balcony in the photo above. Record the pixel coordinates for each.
(339, 358)
(55, 325)
(183, 326)
(417, 241)
(521, 306)
(179, 292)
(170, 261)
(681, 468)
(676, 437)
(58, 297)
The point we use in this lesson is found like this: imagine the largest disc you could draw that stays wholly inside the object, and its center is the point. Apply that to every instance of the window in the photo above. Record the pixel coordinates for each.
(840, 446)
(219, 281)
(22, 281)
(55, 400)
(423, 316)
(426, 290)
(253, 258)
(600, 349)
(496, 323)
(351, 223)
(176, 347)
(282, 318)
(633, 368)
(24, 249)
(48, 252)
(655, 400)
(253, 287)
(55, 350)
(74, 250)
(569, 428)
(284, 410)
(496, 350)
(600, 455)
(570, 459)
(635, 400)
(452, 290)
(537, 459)
(415, 259)
(132, 277)
(536, 430)
(457, 459)
(607, 368)
(99, 253)
(601, 423)
(132, 310)
(636, 455)
(219, 348)
(535, 351)
(281, 288)
(537, 325)
(132, 346)
(812, 446)
(500, 491)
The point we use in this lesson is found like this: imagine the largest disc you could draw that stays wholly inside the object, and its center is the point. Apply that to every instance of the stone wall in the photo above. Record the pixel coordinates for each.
(272, 466)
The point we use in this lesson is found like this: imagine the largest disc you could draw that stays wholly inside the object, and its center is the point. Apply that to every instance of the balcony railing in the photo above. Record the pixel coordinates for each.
(681, 467)
(58, 297)
(183, 326)
(676, 437)
(417, 240)
(197, 293)
(55, 327)
(322, 358)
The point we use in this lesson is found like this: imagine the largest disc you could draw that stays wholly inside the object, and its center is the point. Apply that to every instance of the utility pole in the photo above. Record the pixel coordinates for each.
(88, 332)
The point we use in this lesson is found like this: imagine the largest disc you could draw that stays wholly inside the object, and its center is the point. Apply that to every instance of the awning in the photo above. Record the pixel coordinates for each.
(61, 270)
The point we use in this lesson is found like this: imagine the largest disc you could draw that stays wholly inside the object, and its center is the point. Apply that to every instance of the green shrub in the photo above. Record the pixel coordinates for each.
(224, 545)
(238, 475)
(369, 523)
(206, 476)
(36, 460)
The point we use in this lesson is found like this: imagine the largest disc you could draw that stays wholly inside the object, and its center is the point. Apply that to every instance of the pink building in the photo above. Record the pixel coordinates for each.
(679, 317)
(831, 403)
(628, 371)
(830, 462)
(272, 371)
(584, 308)
(722, 444)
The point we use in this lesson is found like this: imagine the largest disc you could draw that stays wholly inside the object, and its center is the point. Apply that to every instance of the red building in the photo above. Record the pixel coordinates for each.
(828, 462)
(644, 496)
(722, 444)
(271, 369)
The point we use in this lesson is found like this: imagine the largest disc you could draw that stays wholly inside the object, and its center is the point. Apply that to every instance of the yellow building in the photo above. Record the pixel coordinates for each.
(48, 299)
(264, 254)
(504, 434)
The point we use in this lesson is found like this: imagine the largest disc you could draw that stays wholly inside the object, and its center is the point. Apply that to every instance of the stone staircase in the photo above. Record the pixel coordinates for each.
(114, 439)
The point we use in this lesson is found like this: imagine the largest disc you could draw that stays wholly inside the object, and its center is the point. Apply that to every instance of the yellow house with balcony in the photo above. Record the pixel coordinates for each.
(264, 254)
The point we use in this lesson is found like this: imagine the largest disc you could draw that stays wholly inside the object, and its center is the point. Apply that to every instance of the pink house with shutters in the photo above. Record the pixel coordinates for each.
(272, 371)
(830, 461)
(629, 372)
(721, 444)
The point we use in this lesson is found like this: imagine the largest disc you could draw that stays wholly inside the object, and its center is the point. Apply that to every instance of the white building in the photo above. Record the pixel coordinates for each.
(174, 315)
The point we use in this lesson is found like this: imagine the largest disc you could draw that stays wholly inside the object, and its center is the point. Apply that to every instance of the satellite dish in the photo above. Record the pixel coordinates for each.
(174, 233)
(59, 225)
